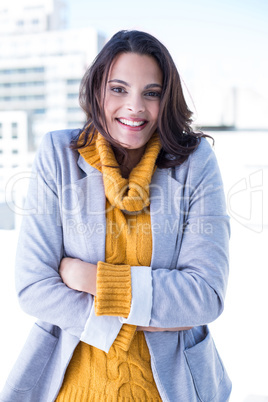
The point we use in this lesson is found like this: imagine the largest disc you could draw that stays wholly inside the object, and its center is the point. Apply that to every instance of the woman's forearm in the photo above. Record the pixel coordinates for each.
(79, 275)
(82, 276)
(156, 329)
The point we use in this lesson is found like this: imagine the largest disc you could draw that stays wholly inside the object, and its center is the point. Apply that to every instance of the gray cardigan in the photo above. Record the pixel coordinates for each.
(184, 286)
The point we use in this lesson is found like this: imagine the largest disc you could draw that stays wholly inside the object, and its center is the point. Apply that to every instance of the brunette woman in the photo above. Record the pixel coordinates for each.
(123, 256)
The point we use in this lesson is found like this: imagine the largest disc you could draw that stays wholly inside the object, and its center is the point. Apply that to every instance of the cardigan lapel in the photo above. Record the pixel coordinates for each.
(166, 203)
(93, 211)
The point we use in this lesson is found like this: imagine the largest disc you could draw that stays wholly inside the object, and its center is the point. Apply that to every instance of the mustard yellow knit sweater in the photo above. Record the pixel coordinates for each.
(124, 373)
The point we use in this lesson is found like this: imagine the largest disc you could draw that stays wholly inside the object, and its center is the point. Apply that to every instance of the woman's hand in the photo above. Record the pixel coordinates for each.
(79, 275)
(155, 329)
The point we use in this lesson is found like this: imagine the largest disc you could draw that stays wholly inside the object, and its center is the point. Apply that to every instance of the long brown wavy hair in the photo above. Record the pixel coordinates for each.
(174, 121)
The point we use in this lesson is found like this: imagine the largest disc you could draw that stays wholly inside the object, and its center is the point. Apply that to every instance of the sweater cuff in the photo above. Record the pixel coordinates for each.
(113, 290)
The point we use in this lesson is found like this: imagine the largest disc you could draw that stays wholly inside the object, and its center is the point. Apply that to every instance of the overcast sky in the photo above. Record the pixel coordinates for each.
(217, 45)
(230, 34)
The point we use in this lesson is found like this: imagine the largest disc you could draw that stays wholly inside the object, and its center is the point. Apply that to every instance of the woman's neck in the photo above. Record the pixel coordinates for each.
(133, 158)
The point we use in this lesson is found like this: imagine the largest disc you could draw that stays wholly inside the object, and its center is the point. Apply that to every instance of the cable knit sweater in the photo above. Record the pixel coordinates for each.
(124, 373)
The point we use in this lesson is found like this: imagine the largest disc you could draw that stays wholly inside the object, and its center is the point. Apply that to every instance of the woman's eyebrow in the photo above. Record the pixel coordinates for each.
(152, 86)
(148, 86)
(119, 82)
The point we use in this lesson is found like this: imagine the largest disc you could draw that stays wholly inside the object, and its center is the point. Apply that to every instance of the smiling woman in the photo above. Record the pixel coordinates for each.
(132, 102)
(137, 49)
(118, 264)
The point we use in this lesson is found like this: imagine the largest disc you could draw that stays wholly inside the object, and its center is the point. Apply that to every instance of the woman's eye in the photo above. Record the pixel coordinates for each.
(153, 94)
(118, 90)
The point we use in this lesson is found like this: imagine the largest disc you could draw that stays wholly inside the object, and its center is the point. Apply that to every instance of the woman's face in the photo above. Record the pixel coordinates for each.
(132, 99)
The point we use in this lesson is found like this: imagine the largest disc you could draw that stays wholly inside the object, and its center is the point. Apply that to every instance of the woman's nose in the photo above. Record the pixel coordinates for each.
(136, 104)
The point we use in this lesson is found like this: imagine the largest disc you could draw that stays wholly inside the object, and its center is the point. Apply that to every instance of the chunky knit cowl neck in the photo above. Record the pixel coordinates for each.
(127, 194)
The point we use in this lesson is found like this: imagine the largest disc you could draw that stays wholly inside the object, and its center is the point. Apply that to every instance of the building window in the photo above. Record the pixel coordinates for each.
(29, 70)
(32, 84)
(73, 82)
(22, 84)
(22, 97)
(38, 97)
(72, 96)
(20, 23)
(39, 111)
(35, 22)
(37, 83)
(38, 69)
(74, 124)
(73, 110)
(14, 130)
(15, 151)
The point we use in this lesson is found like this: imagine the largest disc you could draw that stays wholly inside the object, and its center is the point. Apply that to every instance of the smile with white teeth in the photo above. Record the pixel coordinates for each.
(131, 123)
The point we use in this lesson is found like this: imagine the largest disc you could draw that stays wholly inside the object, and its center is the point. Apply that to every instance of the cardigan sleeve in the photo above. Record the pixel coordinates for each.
(191, 292)
(40, 289)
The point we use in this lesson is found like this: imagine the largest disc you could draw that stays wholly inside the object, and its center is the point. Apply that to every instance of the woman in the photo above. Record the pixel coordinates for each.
(124, 254)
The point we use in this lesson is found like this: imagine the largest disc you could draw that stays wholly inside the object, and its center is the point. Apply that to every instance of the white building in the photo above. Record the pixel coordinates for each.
(41, 68)
(28, 16)
(14, 159)
(13, 139)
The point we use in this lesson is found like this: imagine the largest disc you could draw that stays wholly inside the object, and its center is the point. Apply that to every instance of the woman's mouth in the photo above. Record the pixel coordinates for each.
(132, 124)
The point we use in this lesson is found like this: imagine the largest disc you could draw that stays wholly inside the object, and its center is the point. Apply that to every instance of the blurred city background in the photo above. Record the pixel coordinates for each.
(220, 49)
